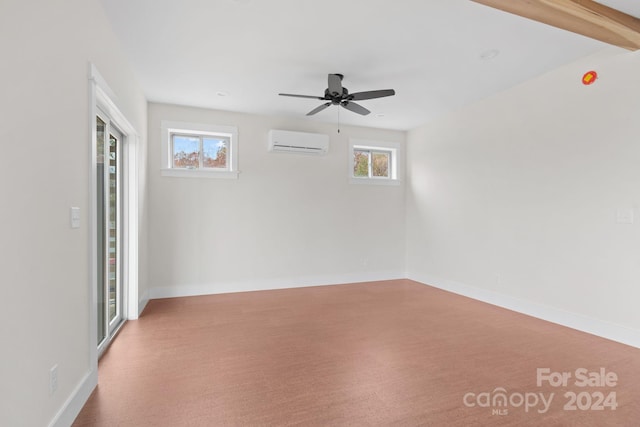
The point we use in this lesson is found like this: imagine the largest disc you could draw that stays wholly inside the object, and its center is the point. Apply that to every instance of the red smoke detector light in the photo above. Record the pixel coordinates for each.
(589, 78)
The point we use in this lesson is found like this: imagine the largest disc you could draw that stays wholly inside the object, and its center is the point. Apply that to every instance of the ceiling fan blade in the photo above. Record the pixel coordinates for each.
(356, 108)
(318, 109)
(335, 84)
(302, 96)
(360, 96)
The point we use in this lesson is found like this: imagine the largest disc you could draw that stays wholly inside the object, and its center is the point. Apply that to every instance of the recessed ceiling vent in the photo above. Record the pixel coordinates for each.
(298, 142)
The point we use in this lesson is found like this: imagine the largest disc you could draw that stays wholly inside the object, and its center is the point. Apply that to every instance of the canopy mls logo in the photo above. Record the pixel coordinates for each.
(590, 395)
(499, 401)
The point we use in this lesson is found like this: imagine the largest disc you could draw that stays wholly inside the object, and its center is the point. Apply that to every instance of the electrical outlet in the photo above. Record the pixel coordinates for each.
(53, 379)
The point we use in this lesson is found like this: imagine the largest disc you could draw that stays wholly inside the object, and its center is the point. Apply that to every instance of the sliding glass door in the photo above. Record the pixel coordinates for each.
(108, 213)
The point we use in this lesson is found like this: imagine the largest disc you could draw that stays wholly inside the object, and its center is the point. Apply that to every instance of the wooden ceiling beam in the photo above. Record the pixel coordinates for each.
(584, 17)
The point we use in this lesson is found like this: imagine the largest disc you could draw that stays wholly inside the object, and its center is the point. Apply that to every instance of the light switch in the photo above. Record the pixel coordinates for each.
(624, 216)
(75, 217)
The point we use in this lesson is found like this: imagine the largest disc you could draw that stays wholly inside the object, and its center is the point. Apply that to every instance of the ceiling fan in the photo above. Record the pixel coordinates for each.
(337, 94)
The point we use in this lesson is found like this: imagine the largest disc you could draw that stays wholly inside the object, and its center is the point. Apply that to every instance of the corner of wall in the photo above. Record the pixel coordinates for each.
(611, 331)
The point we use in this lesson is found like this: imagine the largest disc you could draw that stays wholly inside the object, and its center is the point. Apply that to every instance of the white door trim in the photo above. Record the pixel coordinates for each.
(103, 98)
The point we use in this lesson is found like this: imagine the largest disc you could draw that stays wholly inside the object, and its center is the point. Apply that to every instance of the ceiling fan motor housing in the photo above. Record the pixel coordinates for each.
(337, 94)
(334, 97)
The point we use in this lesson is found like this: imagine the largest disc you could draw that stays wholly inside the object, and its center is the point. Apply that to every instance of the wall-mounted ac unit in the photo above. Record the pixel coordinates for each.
(298, 142)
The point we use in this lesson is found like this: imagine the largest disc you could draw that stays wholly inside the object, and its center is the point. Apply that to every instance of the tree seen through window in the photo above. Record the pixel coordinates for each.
(194, 152)
(370, 163)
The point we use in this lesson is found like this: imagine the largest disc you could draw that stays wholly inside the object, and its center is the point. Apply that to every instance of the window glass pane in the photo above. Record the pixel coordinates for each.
(360, 163)
(186, 151)
(100, 129)
(380, 165)
(215, 152)
(113, 228)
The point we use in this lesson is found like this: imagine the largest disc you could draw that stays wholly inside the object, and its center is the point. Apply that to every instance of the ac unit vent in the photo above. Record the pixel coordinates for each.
(298, 142)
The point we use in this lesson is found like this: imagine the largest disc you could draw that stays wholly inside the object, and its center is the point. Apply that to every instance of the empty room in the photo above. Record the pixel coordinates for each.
(294, 212)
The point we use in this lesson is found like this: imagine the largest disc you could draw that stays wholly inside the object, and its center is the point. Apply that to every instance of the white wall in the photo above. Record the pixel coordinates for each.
(46, 47)
(289, 220)
(514, 199)
(515, 195)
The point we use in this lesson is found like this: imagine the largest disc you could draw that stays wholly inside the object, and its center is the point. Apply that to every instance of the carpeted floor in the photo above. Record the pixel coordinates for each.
(380, 353)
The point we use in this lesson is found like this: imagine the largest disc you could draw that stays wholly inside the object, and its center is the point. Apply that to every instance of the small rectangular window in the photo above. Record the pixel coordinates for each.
(373, 162)
(198, 150)
(368, 163)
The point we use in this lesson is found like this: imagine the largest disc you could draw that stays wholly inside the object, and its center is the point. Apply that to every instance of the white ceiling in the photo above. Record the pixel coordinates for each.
(188, 51)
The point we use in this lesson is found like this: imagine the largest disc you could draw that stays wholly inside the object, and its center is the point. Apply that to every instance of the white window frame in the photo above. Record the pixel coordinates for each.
(199, 129)
(392, 148)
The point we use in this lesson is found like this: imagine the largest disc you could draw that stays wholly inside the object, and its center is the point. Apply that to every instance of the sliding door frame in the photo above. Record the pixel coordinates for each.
(110, 326)
(103, 99)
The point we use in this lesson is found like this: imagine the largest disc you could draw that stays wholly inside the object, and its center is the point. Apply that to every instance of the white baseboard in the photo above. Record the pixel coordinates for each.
(73, 405)
(263, 285)
(601, 328)
(142, 302)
